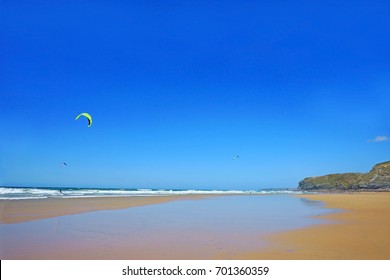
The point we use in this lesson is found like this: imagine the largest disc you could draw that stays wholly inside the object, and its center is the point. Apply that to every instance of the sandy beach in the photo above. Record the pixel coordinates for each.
(360, 229)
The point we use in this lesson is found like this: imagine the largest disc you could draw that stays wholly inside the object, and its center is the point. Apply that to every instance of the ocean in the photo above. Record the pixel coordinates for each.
(10, 193)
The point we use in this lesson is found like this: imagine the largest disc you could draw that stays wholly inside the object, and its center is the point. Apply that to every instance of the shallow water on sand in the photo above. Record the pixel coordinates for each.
(214, 227)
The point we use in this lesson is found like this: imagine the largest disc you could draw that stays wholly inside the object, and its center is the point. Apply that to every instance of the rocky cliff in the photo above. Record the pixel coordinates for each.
(377, 179)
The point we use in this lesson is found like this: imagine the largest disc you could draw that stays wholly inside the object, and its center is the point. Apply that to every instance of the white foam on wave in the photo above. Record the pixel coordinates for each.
(5, 191)
(23, 198)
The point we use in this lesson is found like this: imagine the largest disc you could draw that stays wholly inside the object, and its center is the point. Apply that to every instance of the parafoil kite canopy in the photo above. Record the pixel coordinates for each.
(88, 116)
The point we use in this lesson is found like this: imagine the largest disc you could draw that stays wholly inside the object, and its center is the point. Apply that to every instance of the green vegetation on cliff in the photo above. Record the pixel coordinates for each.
(377, 179)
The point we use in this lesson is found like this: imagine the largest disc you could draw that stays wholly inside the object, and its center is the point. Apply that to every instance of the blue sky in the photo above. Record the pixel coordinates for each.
(177, 88)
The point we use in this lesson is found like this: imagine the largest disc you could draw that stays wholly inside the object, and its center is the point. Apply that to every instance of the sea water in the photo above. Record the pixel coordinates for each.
(11, 193)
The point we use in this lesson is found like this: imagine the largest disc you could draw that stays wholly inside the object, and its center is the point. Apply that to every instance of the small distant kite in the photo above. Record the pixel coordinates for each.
(236, 157)
(63, 164)
(88, 116)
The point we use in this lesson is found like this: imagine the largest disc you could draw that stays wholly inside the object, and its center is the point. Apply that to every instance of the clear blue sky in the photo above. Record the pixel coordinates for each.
(177, 88)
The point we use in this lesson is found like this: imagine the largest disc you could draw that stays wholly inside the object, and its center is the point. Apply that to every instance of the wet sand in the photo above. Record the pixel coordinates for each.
(17, 211)
(186, 228)
(360, 231)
